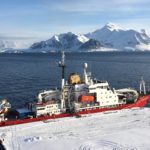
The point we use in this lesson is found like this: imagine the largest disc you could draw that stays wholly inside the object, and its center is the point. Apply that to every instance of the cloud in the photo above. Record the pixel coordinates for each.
(136, 23)
(47, 17)
(7, 37)
(18, 42)
(99, 5)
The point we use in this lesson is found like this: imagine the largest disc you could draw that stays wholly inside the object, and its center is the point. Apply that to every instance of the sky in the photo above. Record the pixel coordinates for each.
(40, 19)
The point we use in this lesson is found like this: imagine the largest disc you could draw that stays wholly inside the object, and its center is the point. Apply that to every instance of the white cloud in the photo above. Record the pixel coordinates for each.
(137, 24)
(81, 16)
(100, 5)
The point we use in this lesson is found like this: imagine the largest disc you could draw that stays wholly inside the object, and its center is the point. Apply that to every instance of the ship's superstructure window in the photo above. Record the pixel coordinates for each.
(40, 108)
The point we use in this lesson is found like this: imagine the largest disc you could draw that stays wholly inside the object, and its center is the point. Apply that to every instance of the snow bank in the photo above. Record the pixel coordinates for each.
(115, 130)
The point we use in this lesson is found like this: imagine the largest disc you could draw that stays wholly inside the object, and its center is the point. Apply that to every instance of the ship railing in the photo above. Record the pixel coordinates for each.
(98, 107)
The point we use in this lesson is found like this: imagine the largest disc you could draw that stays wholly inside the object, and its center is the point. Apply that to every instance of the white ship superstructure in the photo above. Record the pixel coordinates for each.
(48, 108)
(48, 103)
(104, 95)
(81, 94)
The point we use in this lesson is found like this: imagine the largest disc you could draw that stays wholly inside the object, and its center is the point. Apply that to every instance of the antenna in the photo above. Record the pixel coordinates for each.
(142, 86)
(87, 75)
(85, 66)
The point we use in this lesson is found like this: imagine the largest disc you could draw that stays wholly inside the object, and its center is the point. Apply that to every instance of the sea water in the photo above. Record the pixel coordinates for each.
(22, 76)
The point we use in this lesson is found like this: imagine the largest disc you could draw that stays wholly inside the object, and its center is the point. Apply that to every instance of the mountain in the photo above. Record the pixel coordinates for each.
(91, 44)
(67, 41)
(108, 38)
(116, 37)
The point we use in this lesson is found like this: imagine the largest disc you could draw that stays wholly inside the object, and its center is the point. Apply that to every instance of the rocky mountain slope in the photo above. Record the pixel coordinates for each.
(91, 44)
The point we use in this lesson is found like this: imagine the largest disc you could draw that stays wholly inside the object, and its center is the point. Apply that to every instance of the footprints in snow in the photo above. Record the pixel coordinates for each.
(33, 139)
(103, 144)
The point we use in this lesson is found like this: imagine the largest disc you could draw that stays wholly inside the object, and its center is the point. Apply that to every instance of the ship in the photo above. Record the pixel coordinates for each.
(76, 97)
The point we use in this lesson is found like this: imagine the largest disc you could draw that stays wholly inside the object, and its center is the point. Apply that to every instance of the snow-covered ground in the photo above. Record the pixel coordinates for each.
(115, 130)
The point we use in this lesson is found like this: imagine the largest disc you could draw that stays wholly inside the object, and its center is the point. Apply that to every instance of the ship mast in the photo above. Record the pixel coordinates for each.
(142, 86)
(62, 65)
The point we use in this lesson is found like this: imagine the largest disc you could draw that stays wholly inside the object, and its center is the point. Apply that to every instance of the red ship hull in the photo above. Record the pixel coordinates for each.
(141, 102)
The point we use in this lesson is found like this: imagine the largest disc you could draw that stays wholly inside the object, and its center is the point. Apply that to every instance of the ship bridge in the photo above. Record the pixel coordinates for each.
(99, 85)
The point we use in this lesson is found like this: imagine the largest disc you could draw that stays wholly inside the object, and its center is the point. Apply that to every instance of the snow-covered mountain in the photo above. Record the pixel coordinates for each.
(108, 38)
(116, 37)
(67, 41)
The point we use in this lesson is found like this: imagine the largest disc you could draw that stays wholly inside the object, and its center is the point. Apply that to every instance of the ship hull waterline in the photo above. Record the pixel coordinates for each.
(141, 102)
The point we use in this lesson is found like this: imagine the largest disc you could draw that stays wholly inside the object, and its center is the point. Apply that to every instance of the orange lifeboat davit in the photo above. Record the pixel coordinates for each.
(86, 98)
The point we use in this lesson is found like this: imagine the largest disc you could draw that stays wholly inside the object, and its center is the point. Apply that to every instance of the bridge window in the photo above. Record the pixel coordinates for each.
(40, 108)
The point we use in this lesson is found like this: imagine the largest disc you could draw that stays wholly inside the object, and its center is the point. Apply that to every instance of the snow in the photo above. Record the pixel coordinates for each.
(55, 37)
(82, 38)
(103, 49)
(60, 37)
(114, 36)
(143, 47)
(111, 26)
(68, 41)
(115, 130)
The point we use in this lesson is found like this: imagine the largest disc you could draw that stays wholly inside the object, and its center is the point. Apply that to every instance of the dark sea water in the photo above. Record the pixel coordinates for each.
(22, 76)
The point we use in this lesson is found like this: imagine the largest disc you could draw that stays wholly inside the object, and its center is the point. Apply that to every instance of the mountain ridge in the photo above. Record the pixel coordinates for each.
(120, 38)
(108, 38)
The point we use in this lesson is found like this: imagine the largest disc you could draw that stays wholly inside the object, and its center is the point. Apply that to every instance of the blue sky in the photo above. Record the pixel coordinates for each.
(43, 18)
